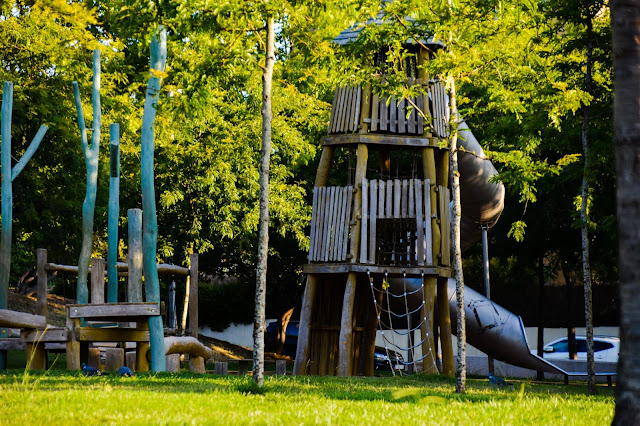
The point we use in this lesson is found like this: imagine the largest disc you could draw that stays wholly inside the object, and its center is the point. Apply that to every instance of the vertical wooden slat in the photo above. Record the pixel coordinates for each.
(320, 232)
(42, 283)
(302, 351)
(381, 199)
(384, 114)
(397, 192)
(347, 217)
(427, 223)
(411, 122)
(334, 109)
(389, 203)
(341, 223)
(443, 194)
(420, 103)
(346, 326)
(373, 210)
(412, 203)
(427, 110)
(393, 115)
(364, 222)
(341, 106)
(314, 219)
(355, 110)
(402, 116)
(419, 221)
(344, 121)
(329, 213)
(337, 219)
(375, 110)
(404, 210)
(193, 295)
(365, 108)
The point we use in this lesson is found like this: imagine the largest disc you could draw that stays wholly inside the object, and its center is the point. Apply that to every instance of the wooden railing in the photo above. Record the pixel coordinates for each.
(396, 116)
(330, 218)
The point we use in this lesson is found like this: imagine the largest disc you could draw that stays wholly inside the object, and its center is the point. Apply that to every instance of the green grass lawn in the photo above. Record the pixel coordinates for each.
(60, 397)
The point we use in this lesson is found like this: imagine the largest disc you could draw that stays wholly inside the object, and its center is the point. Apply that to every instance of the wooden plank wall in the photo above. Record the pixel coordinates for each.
(445, 225)
(393, 116)
(330, 217)
(345, 113)
(396, 199)
(439, 106)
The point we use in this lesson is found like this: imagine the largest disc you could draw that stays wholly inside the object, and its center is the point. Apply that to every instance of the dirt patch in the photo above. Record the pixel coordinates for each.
(55, 305)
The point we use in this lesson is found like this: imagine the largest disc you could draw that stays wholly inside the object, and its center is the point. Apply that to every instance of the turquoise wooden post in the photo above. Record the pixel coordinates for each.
(91, 161)
(149, 219)
(9, 174)
(113, 215)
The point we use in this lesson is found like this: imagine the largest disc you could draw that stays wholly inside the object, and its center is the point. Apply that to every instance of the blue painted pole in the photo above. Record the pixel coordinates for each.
(113, 215)
(8, 176)
(91, 161)
(149, 218)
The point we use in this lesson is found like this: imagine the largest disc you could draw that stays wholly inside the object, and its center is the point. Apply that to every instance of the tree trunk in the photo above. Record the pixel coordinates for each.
(461, 367)
(584, 217)
(625, 21)
(113, 214)
(540, 374)
(149, 217)
(263, 230)
(91, 161)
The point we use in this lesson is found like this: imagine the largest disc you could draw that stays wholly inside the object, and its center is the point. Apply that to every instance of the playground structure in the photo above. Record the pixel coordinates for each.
(133, 320)
(378, 231)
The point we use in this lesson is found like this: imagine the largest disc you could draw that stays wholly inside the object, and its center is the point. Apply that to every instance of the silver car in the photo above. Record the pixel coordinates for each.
(605, 348)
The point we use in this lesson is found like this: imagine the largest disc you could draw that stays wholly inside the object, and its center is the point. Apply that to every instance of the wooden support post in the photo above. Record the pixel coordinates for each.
(345, 359)
(196, 365)
(365, 108)
(243, 367)
(361, 172)
(429, 169)
(444, 321)
(369, 345)
(173, 363)
(134, 259)
(193, 295)
(36, 356)
(93, 360)
(302, 350)
(142, 351)
(443, 168)
(428, 344)
(222, 368)
(73, 345)
(130, 360)
(322, 175)
(113, 359)
(41, 301)
(97, 280)
(281, 367)
(113, 214)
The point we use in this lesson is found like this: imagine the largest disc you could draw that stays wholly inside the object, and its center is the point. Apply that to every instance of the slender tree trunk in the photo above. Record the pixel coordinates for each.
(149, 217)
(540, 346)
(461, 367)
(263, 232)
(584, 217)
(625, 21)
(113, 214)
(91, 161)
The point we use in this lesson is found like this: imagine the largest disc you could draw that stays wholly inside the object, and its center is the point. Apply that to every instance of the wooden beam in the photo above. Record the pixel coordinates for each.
(50, 334)
(36, 356)
(345, 365)
(302, 350)
(322, 174)
(428, 344)
(92, 334)
(378, 139)
(429, 169)
(14, 319)
(365, 109)
(113, 310)
(361, 173)
(43, 282)
(343, 268)
(444, 322)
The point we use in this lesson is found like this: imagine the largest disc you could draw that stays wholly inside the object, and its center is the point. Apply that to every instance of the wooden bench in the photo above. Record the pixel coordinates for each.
(80, 335)
(608, 375)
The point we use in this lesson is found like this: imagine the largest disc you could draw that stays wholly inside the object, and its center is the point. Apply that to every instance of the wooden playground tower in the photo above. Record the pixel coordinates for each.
(375, 227)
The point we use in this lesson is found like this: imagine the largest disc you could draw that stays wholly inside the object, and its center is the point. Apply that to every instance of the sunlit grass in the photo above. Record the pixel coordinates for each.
(61, 397)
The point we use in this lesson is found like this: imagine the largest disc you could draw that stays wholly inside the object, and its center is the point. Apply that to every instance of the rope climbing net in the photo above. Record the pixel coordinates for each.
(397, 340)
